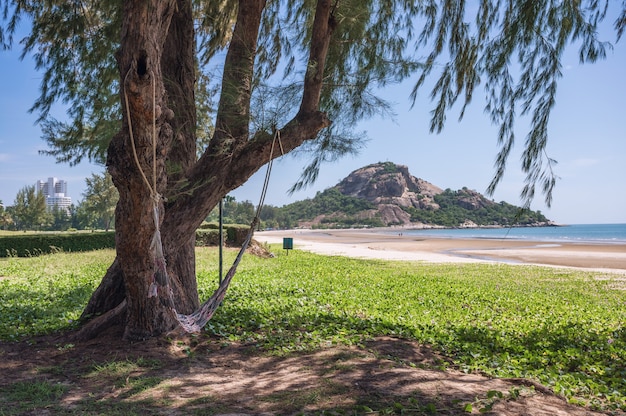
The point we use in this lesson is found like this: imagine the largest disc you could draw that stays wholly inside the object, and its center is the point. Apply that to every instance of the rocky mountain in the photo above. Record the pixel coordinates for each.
(386, 194)
(386, 183)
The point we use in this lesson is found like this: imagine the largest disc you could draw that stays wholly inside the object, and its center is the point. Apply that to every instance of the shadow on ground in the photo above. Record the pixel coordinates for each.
(208, 376)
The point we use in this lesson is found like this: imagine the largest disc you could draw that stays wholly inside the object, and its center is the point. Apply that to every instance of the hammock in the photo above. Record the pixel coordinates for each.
(195, 321)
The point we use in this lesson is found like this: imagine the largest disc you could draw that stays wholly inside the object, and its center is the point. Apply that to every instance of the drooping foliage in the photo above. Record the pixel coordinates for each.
(512, 49)
(73, 45)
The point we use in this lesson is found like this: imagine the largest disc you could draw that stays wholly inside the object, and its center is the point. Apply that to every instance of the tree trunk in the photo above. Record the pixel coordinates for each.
(156, 64)
(177, 67)
(136, 160)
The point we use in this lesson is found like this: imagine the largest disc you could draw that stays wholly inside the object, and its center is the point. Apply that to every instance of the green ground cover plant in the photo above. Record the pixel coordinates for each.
(561, 327)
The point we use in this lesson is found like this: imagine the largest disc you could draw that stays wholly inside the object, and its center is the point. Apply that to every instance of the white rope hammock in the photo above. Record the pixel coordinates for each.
(195, 321)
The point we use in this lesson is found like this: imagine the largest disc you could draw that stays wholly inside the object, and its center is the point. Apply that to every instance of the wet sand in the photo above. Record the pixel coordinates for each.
(383, 245)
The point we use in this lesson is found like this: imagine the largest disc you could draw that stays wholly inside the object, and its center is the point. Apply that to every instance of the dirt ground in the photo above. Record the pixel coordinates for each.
(210, 376)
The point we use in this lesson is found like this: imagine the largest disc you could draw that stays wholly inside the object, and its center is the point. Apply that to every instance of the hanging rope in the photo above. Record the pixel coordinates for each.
(132, 138)
(198, 319)
(195, 321)
(160, 277)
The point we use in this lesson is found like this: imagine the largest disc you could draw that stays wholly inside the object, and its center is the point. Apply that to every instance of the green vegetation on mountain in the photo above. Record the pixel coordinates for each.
(385, 194)
(338, 210)
(452, 213)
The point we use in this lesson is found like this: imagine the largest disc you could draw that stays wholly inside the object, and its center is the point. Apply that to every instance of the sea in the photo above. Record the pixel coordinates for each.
(575, 233)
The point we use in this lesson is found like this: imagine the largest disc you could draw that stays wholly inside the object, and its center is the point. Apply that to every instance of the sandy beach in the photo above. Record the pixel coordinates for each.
(380, 244)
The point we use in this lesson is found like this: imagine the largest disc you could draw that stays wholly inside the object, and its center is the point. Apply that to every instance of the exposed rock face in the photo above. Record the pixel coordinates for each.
(393, 215)
(390, 184)
(473, 200)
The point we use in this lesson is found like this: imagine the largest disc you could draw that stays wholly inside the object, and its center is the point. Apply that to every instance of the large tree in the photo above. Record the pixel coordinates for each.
(29, 209)
(5, 217)
(100, 198)
(301, 71)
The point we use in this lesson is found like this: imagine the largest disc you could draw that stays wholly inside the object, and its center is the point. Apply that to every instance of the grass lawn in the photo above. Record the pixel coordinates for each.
(563, 328)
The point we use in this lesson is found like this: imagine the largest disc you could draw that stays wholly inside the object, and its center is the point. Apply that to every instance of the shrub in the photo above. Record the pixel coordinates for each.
(234, 234)
(37, 244)
(207, 237)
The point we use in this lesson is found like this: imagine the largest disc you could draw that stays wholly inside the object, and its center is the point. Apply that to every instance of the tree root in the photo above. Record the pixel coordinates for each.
(98, 324)
(110, 293)
(535, 385)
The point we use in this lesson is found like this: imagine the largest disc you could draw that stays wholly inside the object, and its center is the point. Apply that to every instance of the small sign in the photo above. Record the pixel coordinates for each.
(287, 244)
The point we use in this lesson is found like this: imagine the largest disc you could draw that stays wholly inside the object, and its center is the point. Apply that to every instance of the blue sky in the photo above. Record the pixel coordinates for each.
(587, 137)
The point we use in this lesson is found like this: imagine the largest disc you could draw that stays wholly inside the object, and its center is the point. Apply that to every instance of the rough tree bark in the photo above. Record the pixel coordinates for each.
(141, 180)
(156, 65)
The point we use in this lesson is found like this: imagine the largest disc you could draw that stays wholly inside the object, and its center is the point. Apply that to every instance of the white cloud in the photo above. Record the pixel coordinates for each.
(5, 157)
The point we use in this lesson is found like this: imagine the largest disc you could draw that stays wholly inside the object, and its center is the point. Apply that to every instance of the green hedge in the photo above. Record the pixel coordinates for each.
(207, 238)
(208, 226)
(234, 234)
(36, 244)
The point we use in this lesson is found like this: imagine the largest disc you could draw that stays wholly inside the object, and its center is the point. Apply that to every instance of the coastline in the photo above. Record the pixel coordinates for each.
(380, 244)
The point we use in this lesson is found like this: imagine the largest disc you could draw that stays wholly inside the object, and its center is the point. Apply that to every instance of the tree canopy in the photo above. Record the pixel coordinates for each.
(29, 209)
(100, 198)
(511, 49)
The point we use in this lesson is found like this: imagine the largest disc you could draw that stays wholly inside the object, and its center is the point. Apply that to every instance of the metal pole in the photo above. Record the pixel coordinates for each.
(221, 236)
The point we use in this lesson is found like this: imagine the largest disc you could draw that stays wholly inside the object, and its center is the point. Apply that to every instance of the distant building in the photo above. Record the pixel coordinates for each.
(55, 191)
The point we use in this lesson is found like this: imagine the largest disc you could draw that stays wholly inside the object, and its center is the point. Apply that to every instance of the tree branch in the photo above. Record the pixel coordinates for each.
(227, 165)
(323, 27)
(179, 77)
(233, 113)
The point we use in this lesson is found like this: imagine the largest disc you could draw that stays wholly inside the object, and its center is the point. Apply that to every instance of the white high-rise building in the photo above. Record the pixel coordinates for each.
(55, 191)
